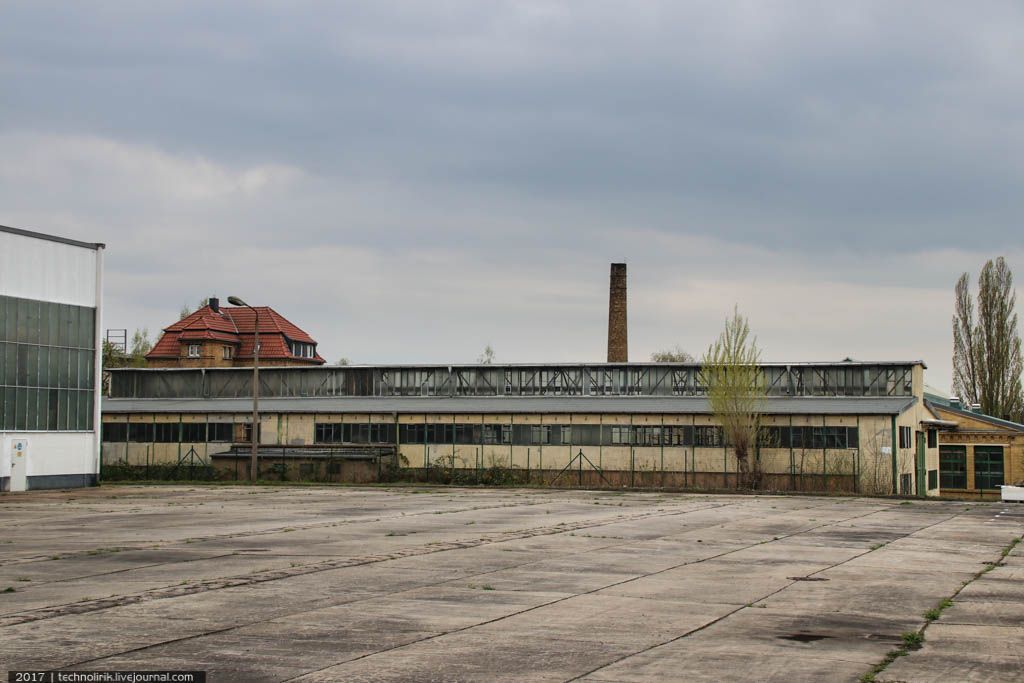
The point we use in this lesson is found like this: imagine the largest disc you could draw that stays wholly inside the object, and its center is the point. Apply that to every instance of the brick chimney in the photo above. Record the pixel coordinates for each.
(618, 351)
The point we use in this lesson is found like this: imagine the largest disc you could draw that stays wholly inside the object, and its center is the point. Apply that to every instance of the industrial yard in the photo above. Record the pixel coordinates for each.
(392, 584)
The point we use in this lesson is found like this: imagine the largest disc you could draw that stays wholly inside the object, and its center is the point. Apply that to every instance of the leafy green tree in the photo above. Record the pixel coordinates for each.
(140, 346)
(736, 389)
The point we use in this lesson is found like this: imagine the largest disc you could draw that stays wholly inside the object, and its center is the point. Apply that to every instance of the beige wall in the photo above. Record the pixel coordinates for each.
(872, 466)
(973, 432)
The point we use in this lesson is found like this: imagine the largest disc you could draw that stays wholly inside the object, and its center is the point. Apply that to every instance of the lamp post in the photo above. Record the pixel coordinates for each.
(254, 438)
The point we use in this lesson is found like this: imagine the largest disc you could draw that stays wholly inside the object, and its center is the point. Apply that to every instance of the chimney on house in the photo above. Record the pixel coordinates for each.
(214, 303)
(618, 351)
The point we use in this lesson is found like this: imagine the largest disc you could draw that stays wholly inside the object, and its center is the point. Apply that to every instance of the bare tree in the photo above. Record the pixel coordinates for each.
(735, 385)
(987, 360)
(186, 311)
(876, 463)
(487, 357)
(674, 355)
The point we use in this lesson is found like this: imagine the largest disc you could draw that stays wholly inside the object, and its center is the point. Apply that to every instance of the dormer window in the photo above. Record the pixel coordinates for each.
(195, 350)
(303, 350)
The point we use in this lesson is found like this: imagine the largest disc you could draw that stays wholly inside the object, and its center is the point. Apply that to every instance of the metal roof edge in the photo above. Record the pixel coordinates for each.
(95, 246)
(999, 422)
(577, 364)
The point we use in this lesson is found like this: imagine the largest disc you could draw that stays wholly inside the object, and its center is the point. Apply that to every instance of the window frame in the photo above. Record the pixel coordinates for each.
(952, 466)
(988, 474)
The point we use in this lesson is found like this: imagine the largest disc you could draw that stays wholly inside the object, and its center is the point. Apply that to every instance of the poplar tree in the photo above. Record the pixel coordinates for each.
(987, 362)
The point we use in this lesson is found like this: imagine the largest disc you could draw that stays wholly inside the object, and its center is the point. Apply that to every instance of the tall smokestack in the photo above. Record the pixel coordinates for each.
(618, 351)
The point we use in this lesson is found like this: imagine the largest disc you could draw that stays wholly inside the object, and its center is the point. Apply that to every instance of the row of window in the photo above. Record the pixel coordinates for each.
(27, 365)
(29, 409)
(809, 437)
(988, 467)
(29, 321)
(168, 432)
(704, 436)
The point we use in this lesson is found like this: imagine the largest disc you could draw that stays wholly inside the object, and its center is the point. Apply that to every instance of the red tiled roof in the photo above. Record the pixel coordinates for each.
(235, 325)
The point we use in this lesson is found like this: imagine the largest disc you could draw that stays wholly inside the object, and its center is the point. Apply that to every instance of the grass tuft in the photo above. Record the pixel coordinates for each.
(912, 640)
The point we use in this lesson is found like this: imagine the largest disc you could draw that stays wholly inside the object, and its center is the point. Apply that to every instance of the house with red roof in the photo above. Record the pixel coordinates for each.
(216, 337)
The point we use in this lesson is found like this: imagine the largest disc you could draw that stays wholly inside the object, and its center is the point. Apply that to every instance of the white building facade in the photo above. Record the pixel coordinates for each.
(50, 360)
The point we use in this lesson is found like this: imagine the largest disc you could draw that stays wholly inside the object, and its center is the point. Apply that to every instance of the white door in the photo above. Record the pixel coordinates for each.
(19, 464)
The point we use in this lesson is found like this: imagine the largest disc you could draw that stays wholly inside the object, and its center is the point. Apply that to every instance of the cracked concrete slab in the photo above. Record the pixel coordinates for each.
(406, 583)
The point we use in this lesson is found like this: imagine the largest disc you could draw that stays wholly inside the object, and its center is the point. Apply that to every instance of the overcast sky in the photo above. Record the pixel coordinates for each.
(409, 181)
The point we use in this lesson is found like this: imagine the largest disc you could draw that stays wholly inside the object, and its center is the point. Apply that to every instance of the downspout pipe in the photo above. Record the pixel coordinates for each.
(895, 446)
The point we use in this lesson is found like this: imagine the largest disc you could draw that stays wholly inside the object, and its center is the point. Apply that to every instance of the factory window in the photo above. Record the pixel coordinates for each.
(439, 433)
(933, 438)
(47, 365)
(467, 434)
(953, 467)
(166, 432)
(220, 431)
(586, 435)
(194, 350)
(678, 436)
(988, 467)
(497, 434)
(140, 432)
(115, 432)
(540, 435)
(193, 432)
(647, 436)
(411, 433)
(328, 432)
(707, 436)
(933, 479)
(905, 441)
(565, 434)
(620, 435)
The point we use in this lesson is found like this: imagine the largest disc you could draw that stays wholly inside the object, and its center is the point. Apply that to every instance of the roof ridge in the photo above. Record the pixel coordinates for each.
(274, 316)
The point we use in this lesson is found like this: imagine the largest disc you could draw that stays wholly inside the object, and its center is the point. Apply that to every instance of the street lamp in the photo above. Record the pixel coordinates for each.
(254, 434)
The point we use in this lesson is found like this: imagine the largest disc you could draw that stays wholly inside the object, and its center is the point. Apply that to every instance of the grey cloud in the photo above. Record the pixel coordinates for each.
(460, 172)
